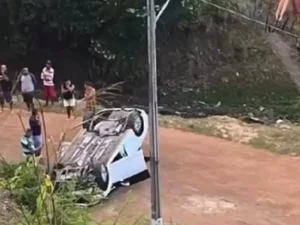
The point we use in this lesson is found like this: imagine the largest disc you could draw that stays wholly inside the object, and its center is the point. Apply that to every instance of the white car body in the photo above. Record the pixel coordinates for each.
(120, 154)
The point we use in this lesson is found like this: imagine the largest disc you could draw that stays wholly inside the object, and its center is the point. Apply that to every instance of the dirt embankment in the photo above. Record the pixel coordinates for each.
(280, 138)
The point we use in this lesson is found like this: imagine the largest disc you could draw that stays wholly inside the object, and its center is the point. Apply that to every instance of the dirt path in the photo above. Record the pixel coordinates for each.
(214, 182)
(204, 180)
(11, 131)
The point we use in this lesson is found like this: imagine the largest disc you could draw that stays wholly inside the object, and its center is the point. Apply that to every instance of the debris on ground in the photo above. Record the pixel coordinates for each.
(6, 207)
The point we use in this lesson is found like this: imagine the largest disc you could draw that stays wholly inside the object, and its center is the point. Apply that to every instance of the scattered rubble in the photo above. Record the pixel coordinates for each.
(6, 204)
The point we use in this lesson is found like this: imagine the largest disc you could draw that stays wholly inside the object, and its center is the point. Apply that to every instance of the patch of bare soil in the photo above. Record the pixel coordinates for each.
(280, 138)
(206, 180)
(208, 205)
(220, 126)
(11, 131)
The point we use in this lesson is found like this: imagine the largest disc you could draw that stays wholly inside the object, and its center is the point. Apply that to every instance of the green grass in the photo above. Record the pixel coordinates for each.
(243, 74)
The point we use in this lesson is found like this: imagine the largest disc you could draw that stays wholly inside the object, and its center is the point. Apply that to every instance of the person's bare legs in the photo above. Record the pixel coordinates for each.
(52, 95)
(52, 100)
(28, 104)
(9, 100)
(11, 106)
(2, 106)
(46, 102)
(73, 112)
(69, 110)
(46, 95)
(1, 103)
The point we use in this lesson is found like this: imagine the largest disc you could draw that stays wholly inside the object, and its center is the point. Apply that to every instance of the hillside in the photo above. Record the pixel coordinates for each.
(204, 54)
(232, 61)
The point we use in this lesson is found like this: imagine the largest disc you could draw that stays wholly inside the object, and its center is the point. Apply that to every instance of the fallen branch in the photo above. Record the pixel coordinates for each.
(162, 10)
(45, 135)
(21, 121)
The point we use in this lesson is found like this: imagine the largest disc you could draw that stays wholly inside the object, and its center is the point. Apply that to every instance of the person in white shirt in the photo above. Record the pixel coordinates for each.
(47, 76)
(28, 83)
(69, 101)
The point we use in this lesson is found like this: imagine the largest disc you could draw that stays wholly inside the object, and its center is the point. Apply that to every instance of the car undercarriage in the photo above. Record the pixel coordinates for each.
(88, 158)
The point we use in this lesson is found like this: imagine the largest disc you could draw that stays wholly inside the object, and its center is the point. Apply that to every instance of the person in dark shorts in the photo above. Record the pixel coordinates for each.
(69, 101)
(28, 82)
(28, 148)
(5, 89)
(36, 128)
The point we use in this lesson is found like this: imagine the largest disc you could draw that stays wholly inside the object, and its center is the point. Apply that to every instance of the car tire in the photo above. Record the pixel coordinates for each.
(86, 117)
(100, 172)
(136, 123)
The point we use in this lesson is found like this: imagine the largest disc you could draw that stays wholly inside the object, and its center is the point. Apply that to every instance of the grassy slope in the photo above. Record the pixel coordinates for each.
(242, 72)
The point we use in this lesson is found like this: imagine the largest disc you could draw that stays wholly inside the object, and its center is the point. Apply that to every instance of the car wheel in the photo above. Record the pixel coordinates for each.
(101, 176)
(136, 123)
(87, 116)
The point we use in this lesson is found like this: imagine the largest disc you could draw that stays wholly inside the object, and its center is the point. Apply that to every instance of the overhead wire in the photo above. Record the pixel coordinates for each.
(248, 18)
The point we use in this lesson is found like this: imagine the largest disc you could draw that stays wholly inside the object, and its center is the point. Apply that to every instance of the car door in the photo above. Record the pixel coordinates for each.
(131, 163)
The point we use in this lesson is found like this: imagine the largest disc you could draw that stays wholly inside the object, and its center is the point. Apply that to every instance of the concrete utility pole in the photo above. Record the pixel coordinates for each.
(156, 218)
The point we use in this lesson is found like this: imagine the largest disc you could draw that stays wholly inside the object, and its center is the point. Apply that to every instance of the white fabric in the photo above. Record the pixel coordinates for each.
(27, 84)
(47, 76)
(70, 102)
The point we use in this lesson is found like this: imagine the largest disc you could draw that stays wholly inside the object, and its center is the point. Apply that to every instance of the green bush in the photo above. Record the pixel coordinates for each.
(37, 203)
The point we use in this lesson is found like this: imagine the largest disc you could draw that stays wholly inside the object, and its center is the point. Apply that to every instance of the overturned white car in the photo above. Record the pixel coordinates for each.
(107, 152)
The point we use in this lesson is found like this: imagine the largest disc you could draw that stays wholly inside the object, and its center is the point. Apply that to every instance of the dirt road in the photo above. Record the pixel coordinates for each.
(204, 180)
(11, 131)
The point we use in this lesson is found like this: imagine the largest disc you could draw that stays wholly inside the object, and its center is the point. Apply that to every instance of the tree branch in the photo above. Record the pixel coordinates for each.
(162, 10)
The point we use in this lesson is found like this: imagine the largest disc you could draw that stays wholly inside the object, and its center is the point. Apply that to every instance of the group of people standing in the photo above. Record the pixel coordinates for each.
(32, 140)
(28, 85)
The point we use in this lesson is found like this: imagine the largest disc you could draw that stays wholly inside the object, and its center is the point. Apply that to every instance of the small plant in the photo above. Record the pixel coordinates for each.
(36, 201)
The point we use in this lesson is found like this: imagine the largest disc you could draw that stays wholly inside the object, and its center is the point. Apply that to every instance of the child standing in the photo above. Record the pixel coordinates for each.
(28, 148)
(36, 128)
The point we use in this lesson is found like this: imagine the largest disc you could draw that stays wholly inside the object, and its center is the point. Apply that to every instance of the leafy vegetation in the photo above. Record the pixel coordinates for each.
(104, 28)
(33, 201)
(242, 73)
(36, 201)
(196, 43)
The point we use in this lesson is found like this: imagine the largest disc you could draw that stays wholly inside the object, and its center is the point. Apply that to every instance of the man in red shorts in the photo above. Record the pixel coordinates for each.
(47, 76)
